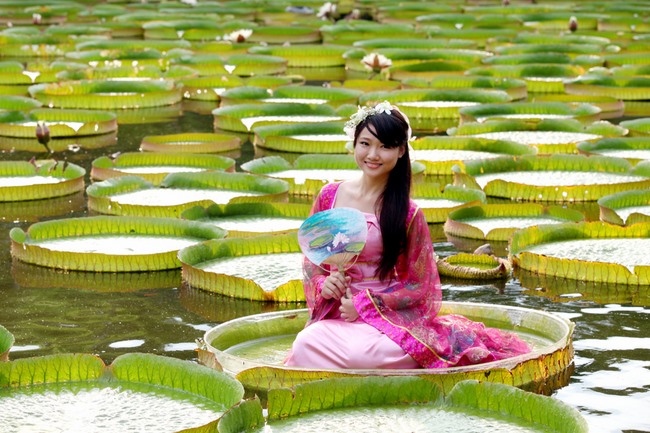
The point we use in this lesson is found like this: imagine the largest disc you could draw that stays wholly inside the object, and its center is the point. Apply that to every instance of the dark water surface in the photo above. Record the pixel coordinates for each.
(50, 311)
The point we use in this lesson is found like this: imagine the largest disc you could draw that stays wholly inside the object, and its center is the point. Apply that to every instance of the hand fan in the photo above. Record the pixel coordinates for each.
(334, 237)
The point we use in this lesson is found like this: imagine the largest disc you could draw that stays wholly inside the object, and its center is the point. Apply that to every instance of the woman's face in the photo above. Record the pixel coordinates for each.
(372, 157)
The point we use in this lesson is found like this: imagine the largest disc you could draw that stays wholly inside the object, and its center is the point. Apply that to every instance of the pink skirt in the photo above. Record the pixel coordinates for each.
(333, 343)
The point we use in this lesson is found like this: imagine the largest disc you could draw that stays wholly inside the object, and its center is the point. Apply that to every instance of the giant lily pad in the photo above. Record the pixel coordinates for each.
(626, 88)
(497, 222)
(426, 107)
(21, 180)
(514, 87)
(252, 219)
(196, 142)
(181, 395)
(531, 110)
(555, 178)
(547, 135)
(6, 341)
(254, 347)
(473, 267)
(304, 94)
(539, 78)
(60, 123)
(638, 127)
(308, 173)
(591, 251)
(634, 149)
(436, 204)
(108, 94)
(440, 153)
(626, 207)
(155, 166)
(242, 65)
(610, 108)
(245, 117)
(402, 404)
(306, 55)
(36, 210)
(132, 195)
(109, 244)
(260, 268)
(323, 137)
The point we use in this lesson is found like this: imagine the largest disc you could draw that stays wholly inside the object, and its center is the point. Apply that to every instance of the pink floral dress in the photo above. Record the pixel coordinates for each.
(398, 324)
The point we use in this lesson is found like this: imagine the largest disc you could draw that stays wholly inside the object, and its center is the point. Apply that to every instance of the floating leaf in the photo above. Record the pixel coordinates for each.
(224, 267)
(259, 367)
(196, 142)
(21, 180)
(109, 244)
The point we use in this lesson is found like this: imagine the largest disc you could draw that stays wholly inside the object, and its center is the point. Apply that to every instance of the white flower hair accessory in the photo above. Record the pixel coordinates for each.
(364, 112)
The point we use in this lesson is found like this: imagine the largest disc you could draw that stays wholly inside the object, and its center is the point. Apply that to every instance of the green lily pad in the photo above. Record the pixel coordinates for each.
(549, 136)
(634, 149)
(440, 154)
(324, 137)
(590, 251)
(555, 178)
(109, 244)
(539, 78)
(585, 113)
(21, 180)
(303, 94)
(246, 117)
(184, 396)
(108, 94)
(637, 127)
(474, 267)
(259, 268)
(6, 341)
(436, 204)
(61, 123)
(254, 347)
(132, 195)
(497, 222)
(514, 87)
(196, 142)
(252, 219)
(36, 210)
(625, 208)
(425, 107)
(404, 403)
(306, 55)
(625, 88)
(153, 167)
(610, 108)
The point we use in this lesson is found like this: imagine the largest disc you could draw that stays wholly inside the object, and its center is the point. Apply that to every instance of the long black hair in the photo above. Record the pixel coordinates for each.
(393, 203)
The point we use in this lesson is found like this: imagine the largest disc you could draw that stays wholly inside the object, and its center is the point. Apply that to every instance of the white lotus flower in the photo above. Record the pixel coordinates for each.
(326, 11)
(239, 35)
(376, 62)
(340, 238)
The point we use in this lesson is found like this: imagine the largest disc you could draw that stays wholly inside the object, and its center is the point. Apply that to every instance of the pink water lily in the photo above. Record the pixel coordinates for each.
(327, 11)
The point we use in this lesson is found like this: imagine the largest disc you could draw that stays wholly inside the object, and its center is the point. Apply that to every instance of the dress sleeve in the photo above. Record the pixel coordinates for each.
(417, 289)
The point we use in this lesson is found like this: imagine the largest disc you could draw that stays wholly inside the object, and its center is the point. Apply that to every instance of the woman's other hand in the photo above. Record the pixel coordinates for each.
(348, 312)
(335, 285)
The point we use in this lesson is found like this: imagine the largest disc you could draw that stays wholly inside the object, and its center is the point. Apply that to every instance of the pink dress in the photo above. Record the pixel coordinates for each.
(398, 325)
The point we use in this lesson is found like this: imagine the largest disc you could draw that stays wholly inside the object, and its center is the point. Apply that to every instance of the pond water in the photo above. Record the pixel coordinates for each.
(51, 311)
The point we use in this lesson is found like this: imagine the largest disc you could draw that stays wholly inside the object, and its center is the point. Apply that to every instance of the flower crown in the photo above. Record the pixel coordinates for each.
(363, 113)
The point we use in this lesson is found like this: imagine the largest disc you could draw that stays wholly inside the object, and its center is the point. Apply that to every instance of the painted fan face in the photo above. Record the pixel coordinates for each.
(335, 236)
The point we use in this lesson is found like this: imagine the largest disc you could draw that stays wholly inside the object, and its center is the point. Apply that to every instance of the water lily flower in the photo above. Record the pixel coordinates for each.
(327, 11)
(37, 18)
(573, 24)
(239, 36)
(340, 238)
(376, 62)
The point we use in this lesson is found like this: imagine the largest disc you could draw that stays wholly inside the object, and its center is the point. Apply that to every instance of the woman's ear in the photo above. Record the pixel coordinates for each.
(402, 151)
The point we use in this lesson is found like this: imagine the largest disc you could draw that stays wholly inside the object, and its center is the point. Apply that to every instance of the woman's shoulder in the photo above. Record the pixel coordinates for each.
(327, 195)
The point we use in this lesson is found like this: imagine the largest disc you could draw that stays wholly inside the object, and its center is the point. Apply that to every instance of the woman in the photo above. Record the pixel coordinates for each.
(382, 313)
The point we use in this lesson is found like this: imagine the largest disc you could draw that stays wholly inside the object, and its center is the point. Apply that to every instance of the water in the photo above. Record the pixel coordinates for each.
(51, 311)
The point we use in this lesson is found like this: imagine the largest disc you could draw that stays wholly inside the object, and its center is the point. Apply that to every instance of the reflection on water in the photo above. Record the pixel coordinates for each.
(52, 311)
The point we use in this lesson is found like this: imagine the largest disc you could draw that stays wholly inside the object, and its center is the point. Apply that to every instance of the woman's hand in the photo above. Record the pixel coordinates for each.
(335, 285)
(348, 312)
